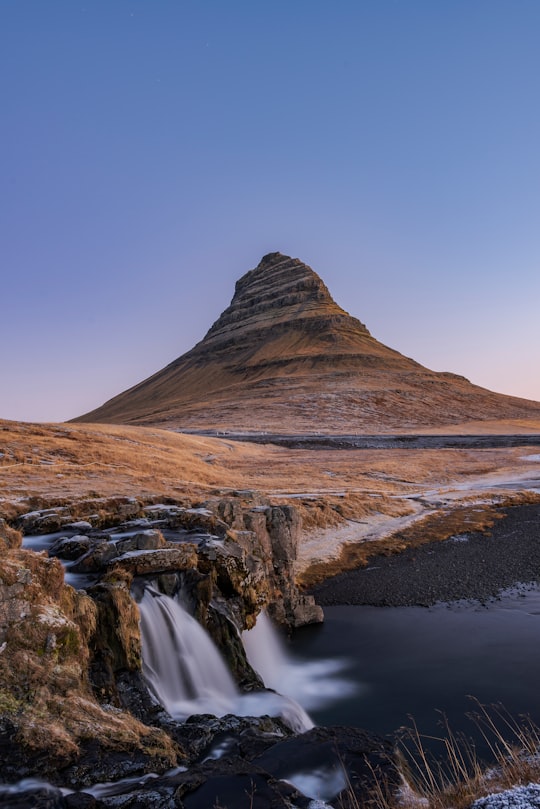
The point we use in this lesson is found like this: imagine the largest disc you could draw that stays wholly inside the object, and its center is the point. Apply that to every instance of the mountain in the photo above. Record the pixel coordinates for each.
(284, 357)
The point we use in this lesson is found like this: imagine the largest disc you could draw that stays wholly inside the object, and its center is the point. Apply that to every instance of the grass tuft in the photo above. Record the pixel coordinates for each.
(458, 777)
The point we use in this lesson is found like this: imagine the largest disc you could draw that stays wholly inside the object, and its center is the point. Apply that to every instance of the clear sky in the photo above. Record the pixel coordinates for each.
(152, 151)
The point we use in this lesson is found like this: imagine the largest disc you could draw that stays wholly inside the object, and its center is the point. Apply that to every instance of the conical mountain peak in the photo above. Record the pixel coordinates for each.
(284, 357)
(280, 290)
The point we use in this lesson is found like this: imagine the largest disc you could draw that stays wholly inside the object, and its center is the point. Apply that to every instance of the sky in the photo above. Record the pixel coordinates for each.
(152, 151)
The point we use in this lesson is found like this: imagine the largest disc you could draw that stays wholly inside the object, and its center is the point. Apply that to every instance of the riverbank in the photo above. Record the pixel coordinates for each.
(466, 566)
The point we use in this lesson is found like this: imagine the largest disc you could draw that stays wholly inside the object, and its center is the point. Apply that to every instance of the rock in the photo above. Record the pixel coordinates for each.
(144, 563)
(79, 525)
(142, 552)
(304, 611)
(116, 644)
(271, 543)
(30, 793)
(347, 760)
(205, 737)
(241, 790)
(333, 762)
(99, 553)
(48, 521)
(70, 547)
(81, 800)
(98, 512)
(227, 638)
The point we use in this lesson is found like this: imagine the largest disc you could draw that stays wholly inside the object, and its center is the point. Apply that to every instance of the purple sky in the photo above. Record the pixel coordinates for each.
(154, 150)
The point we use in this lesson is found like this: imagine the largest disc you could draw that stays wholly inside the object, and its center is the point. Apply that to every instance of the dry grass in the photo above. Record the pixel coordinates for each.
(431, 528)
(458, 777)
(45, 630)
(434, 527)
(489, 427)
(75, 461)
(78, 459)
(43, 465)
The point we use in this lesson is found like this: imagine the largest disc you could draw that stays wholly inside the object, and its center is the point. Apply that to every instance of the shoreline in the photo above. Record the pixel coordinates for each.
(468, 566)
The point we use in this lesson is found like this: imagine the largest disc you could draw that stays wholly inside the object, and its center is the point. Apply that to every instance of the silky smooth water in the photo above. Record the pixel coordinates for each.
(313, 683)
(415, 661)
(186, 674)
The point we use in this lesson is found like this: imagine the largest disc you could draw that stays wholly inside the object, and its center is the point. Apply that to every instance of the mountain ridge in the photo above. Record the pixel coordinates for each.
(285, 355)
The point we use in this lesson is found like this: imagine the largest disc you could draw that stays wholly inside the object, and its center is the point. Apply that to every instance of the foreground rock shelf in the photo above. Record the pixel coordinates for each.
(75, 707)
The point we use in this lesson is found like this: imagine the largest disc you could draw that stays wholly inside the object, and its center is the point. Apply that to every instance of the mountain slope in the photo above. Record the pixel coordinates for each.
(284, 357)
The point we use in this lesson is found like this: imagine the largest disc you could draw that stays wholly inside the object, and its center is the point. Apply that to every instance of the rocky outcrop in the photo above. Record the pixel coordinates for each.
(230, 558)
(81, 712)
(80, 515)
(284, 357)
(50, 719)
(276, 531)
(245, 763)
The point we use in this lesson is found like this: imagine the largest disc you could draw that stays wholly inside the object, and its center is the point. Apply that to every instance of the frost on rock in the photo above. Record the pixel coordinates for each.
(516, 798)
(52, 616)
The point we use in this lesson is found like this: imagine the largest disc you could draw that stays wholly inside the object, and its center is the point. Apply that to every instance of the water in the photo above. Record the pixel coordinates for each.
(413, 661)
(181, 665)
(42, 542)
(312, 683)
(187, 675)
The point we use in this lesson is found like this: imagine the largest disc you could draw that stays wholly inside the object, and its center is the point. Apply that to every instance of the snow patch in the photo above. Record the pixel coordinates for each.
(460, 538)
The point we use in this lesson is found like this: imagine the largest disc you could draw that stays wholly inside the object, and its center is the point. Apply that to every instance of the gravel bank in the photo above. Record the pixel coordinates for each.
(469, 566)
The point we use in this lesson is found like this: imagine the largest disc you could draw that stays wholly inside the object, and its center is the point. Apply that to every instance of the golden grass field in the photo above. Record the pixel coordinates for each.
(336, 491)
(75, 460)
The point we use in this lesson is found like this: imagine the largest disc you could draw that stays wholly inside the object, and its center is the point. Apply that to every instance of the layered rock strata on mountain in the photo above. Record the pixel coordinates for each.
(284, 357)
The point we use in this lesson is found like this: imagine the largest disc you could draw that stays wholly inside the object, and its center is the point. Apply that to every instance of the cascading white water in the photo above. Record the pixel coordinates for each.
(187, 675)
(181, 665)
(312, 684)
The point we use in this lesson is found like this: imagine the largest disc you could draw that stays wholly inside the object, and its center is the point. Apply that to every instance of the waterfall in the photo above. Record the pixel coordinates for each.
(183, 668)
(312, 684)
(186, 674)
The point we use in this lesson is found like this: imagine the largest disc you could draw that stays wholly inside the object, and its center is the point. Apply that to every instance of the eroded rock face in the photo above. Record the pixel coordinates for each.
(82, 702)
(275, 531)
(281, 294)
(50, 718)
(285, 358)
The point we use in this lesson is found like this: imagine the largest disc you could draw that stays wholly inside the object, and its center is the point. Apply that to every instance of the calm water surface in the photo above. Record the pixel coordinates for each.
(420, 661)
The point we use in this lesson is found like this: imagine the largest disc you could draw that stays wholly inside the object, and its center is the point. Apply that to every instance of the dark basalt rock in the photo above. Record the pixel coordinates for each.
(363, 756)
(244, 777)
(31, 794)
(71, 548)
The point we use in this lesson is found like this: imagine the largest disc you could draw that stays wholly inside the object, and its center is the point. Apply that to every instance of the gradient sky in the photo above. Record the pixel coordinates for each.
(154, 150)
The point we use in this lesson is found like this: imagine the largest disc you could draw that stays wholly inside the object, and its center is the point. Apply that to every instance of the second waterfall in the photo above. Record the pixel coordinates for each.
(186, 674)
